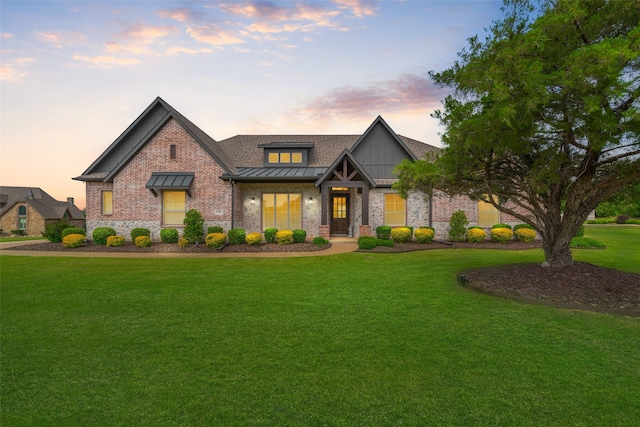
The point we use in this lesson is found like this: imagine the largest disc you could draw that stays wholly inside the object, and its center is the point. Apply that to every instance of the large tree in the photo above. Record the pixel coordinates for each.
(543, 116)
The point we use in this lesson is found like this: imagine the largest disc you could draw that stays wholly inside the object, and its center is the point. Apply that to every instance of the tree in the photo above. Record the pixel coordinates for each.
(543, 116)
(193, 226)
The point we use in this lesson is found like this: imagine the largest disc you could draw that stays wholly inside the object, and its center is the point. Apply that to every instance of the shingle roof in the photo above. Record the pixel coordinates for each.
(42, 202)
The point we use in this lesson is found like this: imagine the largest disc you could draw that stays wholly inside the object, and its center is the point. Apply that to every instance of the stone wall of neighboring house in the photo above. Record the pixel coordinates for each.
(35, 221)
(135, 206)
(252, 212)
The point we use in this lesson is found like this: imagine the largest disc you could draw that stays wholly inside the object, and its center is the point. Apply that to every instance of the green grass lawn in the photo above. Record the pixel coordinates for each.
(360, 339)
(19, 239)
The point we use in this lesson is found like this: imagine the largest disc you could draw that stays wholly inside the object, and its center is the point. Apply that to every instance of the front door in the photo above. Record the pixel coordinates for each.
(339, 214)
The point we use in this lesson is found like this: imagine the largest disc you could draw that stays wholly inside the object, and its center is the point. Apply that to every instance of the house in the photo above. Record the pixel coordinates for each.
(329, 185)
(30, 209)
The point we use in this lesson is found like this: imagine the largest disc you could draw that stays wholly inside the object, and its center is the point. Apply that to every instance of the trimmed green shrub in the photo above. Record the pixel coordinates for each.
(526, 235)
(20, 233)
(73, 230)
(299, 236)
(254, 238)
(214, 229)
(383, 232)
(215, 240)
(182, 242)
(400, 234)
(370, 242)
(319, 240)
(622, 219)
(237, 236)
(73, 240)
(193, 226)
(52, 231)
(100, 235)
(580, 232)
(585, 243)
(136, 232)
(143, 241)
(270, 234)
(601, 221)
(284, 237)
(424, 234)
(476, 234)
(169, 235)
(519, 226)
(501, 235)
(458, 226)
(501, 226)
(113, 241)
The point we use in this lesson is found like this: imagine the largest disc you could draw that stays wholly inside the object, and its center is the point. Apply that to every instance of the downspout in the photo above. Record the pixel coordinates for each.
(233, 202)
(431, 211)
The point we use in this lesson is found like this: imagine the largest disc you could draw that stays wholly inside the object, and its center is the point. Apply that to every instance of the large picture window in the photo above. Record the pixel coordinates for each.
(395, 210)
(107, 202)
(173, 207)
(488, 215)
(282, 211)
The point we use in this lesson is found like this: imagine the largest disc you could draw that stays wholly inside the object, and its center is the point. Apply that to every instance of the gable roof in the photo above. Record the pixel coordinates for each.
(380, 120)
(135, 137)
(358, 167)
(41, 201)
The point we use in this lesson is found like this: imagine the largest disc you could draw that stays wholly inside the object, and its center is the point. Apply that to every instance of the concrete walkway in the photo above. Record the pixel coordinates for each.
(338, 246)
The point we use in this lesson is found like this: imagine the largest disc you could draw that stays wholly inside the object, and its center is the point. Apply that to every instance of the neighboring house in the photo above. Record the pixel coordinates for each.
(330, 185)
(30, 209)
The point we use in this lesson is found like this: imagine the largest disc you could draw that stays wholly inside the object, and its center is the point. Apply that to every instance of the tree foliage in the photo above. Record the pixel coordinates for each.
(543, 116)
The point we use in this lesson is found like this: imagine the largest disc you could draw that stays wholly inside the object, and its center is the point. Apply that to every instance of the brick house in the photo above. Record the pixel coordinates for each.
(330, 185)
(30, 209)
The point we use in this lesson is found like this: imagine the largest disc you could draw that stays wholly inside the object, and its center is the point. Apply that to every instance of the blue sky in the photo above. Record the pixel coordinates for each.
(75, 74)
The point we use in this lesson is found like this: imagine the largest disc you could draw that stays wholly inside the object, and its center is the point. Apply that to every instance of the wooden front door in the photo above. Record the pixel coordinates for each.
(339, 214)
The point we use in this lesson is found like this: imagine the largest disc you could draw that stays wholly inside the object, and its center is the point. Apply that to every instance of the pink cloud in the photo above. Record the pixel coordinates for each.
(360, 8)
(146, 34)
(13, 70)
(61, 39)
(106, 60)
(181, 15)
(214, 35)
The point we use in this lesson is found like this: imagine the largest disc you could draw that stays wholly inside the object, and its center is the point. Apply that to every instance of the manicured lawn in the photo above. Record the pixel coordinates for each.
(356, 339)
(19, 239)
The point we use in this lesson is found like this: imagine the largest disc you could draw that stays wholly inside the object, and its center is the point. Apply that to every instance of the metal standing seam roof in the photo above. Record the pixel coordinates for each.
(290, 173)
(170, 180)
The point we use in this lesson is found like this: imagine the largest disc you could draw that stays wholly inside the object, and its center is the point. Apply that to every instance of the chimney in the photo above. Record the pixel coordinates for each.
(70, 200)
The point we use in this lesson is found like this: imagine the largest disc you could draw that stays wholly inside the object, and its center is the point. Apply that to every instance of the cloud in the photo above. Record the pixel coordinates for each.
(129, 48)
(360, 8)
(106, 60)
(408, 92)
(181, 15)
(6, 36)
(214, 35)
(186, 50)
(262, 10)
(145, 34)
(61, 39)
(12, 70)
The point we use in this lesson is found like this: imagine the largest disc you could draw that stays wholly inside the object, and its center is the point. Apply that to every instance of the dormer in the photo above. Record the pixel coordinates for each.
(286, 154)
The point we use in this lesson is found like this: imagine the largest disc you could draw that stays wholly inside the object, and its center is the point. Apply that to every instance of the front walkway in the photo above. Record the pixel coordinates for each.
(341, 245)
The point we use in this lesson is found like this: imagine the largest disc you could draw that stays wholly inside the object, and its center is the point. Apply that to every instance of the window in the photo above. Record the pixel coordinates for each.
(22, 217)
(488, 215)
(274, 158)
(173, 152)
(283, 211)
(285, 157)
(296, 157)
(173, 207)
(107, 203)
(394, 210)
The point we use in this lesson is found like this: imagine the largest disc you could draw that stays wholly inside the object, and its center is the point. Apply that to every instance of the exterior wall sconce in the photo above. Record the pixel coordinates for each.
(310, 199)
(253, 200)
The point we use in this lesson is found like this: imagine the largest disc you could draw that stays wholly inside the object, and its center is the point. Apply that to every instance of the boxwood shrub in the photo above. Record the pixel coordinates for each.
(401, 234)
(169, 235)
(519, 226)
(299, 236)
(370, 242)
(319, 240)
(477, 234)
(73, 240)
(383, 232)
(284, 237)
(73, 230)
(254, 238)
(424, 234)
(183, 243)
(143, 241)
(113, 241)
(237, 236)
(215, 240)
(215, 229)
(501, 235)
(501, 226)
(100, 235)
(270, 234)
(136, 232)
(526, 235)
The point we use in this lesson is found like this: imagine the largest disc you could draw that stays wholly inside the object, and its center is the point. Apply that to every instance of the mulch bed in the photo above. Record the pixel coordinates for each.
(580, 286)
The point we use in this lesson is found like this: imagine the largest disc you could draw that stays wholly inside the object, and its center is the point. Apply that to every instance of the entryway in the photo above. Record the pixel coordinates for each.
(339, 215)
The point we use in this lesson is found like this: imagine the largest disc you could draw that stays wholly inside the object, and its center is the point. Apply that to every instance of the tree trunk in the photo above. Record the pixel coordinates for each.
(557, 252)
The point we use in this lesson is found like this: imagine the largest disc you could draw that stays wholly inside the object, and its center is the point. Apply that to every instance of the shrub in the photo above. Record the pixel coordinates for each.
(100, 235)
(73, 240)
(526, 235)
(477, 234)
(585, 243)
(319, 240)
(214, 229)
(254, 238)
(383, 232)
(519, 226)
(169, 235)
(52, 231)
(501, 235)
(193, 226)
(73, 230)
(400, 234)
(237, 236)
(143, 241)
(580, 232)
(299, 236)
(284, 237)
(622, 219)
(370, 242)
(501, 226)
(113, 241)
(458, 226)
(424, 234)
(215, 240)
(270, 234)
(182, 242)
(20, 233)
(136, 232)
(601, 221)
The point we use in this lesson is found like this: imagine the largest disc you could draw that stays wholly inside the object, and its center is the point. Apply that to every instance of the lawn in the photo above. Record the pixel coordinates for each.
(356, 339)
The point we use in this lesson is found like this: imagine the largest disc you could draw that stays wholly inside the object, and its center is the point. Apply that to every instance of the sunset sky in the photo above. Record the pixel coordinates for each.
(75, 74)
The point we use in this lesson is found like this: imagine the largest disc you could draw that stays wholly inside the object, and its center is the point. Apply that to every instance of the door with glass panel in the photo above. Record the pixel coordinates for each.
(339, 214)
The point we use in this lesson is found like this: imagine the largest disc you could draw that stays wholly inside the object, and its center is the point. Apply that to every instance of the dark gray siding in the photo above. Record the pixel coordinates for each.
(379, 153)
